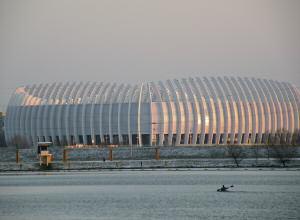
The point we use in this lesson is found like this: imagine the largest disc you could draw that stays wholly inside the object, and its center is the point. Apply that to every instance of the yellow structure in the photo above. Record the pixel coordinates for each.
(44, 155)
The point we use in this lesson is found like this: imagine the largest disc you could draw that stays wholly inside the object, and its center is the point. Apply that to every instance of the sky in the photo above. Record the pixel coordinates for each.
(138, 41)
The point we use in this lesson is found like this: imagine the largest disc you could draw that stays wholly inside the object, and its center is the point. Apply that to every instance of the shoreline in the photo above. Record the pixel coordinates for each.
(105, 171)
(182, 164)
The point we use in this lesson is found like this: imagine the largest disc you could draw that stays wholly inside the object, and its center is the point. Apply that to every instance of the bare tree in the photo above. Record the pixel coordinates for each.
(19, 142)
(295, 138)
(283, 153)
(2, 138)
(236, 153)
(282, 146)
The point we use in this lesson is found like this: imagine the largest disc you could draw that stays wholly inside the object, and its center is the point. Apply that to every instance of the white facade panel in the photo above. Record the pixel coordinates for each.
(191, 111)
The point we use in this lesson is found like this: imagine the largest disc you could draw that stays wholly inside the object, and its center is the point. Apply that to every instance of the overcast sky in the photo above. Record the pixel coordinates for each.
(133, 41)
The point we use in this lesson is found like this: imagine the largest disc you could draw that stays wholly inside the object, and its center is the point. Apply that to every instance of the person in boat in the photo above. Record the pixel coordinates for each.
(223, 188)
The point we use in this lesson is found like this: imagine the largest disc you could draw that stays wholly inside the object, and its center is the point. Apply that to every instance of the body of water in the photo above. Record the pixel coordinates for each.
(156, 194)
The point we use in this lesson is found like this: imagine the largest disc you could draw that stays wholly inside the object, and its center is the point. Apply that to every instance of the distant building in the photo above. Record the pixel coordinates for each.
(193, 111)
(2, 136)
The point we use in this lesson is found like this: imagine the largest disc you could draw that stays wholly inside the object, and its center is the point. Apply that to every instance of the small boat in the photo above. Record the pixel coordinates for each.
(224, 188)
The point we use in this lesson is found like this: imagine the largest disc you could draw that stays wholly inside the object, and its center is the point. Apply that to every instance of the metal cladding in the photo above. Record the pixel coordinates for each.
(192, 111)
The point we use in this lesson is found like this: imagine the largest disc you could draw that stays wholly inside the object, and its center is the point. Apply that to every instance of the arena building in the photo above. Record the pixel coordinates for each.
(192, 111)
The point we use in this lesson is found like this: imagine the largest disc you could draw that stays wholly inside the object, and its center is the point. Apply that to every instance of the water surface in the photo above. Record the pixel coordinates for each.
(151, 195)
